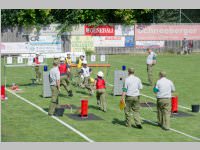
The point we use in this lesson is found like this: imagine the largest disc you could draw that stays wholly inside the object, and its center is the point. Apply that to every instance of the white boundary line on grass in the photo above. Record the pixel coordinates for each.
(56, 118)
(195, 138)
(155, 99)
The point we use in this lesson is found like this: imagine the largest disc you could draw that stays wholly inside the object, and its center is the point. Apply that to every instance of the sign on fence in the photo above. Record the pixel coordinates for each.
(149, 44)
(124, 30)
(109, 41)
(81, 43)
(45, 44)
(129, 41)
(166, 32)
(14, 47)
(103, 30)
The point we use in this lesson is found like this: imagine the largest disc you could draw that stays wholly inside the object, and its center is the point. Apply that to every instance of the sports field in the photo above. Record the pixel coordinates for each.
(20, 121)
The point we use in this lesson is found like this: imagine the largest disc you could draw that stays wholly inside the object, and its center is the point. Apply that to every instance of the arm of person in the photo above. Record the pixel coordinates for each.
(81, 71)
(155, 89)
(90, 70)
(124, 89)
(172, 87)
(104, 83)
(58, 84)
(140, 85)
(58, 80)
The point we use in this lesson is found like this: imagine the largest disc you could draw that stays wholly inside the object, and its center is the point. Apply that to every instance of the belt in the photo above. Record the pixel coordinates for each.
(163, 98)
(132, 96)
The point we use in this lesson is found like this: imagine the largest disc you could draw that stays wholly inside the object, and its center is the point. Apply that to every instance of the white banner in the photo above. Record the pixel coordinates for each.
(14, 47)
(109, 41)
(9, 60)
(78, 30)
(51, 29)
(124, 30)
(93, 58)
(19, 60)
(45, 44)
(81, 43)
(150, 44)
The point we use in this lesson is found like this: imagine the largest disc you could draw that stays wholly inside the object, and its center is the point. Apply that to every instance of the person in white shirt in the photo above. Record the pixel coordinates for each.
(131, 93)
(151, 60)
(54, 79)
(163, 88)
(85, 74)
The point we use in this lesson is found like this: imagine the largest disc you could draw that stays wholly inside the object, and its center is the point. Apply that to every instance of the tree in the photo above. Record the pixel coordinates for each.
(9, 17)
(167, 16)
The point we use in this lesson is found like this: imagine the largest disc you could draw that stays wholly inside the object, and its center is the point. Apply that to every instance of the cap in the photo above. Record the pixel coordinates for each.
(162, 73)
(131, 70)
(37, 53)
(55, 62)
(62, 59)
(84, 62)
(100, 74)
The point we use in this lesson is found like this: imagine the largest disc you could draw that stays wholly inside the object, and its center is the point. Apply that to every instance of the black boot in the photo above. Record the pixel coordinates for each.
(70, 93)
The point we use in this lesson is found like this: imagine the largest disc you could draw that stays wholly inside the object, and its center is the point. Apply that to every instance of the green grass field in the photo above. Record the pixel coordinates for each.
(22, 122)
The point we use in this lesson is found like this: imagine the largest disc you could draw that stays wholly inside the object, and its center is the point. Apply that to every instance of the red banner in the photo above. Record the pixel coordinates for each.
(167, 32)
(104, 30)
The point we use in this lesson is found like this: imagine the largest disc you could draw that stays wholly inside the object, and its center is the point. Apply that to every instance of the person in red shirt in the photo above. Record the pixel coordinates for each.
(101, 91)
(37, 67)
(64, 78)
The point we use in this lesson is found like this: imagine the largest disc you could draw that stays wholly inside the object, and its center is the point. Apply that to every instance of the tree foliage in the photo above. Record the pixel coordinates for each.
(68, 17)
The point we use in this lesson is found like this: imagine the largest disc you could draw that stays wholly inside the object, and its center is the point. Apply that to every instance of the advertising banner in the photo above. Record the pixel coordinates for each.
(149, 44)
(51, 29)
(103, 30)
(167, 32)
(81, 43)
(124, 30)
(129, 41)
(14, 47)
(109, 41)
(45, 44)
(77, 30)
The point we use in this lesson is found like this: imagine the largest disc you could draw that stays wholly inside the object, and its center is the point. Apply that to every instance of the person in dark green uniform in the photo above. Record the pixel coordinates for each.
(131, 95)
(163, 88)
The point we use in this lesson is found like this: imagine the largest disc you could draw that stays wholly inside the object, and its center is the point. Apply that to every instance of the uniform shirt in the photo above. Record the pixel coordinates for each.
(63, 69)
(100, 83)
(165, 87)
(132, 85)
(79, 65)
(185, 43)
(86, 71)
(150, 58)
(68, 61)
(36, 61)
(54, 75)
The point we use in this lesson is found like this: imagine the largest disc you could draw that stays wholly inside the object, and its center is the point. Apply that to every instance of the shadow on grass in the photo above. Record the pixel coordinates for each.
(120, 122)
(146, 84)
(149, 123)
(63, 95)
(82, 92)
(46, 109)
(94, 107)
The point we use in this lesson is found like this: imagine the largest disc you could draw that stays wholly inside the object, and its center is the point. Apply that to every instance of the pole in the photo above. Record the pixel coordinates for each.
(180, 15)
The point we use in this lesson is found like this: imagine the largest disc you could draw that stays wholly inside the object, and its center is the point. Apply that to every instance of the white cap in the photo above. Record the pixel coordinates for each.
(62, 59)
(37, 53)
(84, 62)
(100, 74)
